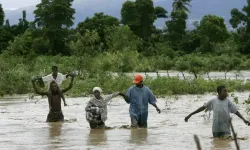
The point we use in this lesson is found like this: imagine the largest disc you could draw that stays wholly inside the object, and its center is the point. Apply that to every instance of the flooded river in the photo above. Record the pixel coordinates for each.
(23, 127)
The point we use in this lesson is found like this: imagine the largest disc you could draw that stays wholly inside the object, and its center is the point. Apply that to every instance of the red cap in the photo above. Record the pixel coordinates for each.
(138, 79)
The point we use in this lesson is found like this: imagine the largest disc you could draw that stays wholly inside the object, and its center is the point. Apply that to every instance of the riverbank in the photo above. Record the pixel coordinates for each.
(161, 86)
(17, 72)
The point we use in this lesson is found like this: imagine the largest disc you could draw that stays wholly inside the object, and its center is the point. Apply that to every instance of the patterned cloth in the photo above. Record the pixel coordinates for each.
(93, 115)
(96, 109)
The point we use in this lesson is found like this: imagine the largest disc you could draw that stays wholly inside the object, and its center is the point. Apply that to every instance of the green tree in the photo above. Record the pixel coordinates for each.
(208, 65)
(140, 16)
(168, 64)
(22, 25)
(99, 23)
(176, 28)
(147, 17)
(85, 48)
(121, 39)
(1, 15)
(212, 30)
(5, 36)
(21, 45)
(181, 5)
(191, 41)
(55, 17)
(195, 64)
(226, 63)
(240, 20)
(160, 12)
(87, 44)
(130, 15)
(181, 64)
(7, 23)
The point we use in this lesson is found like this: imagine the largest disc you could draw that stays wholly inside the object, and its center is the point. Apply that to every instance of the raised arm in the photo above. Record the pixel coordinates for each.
(110, 97)
(70, 86)
(36, 89)
(126, 98)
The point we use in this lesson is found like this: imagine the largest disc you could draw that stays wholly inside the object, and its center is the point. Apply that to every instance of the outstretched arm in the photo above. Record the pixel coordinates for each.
(69, 87)
(195, 112)
(126, 98)
(36, 89)
(110, 97)
(241, 117)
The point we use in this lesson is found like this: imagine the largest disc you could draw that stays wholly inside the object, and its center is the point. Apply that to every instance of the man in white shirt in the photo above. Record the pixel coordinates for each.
(55, 76)
(58, 78)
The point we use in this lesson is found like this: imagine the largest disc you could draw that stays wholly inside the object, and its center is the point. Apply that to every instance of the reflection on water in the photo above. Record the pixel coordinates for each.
(55, 129)
(138, 136)
(97, 137)
(221, 144)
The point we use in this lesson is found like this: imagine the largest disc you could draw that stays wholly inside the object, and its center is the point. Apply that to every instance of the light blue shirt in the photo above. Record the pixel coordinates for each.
(221, 114)
(139, 99)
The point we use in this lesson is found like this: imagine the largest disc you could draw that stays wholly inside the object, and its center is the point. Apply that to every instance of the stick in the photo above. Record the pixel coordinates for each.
(234, 134)
(197, 141)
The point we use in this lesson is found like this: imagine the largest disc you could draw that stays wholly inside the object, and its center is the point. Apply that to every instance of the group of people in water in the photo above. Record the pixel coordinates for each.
(138, 96)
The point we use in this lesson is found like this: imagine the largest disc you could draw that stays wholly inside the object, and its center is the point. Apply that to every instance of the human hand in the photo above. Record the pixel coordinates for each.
(120, 93)
(186, 119)
(247, 122)
(158, 110)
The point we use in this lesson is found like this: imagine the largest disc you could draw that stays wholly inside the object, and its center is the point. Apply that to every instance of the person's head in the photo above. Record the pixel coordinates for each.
(222, 92)
(53, 86)
(138, 80)
(97, 92)
(54, 70)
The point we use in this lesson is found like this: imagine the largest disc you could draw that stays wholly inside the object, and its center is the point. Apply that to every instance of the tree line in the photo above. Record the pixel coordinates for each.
(51, 32)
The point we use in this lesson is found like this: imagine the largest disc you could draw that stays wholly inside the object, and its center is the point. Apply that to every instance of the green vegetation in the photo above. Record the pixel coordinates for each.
(102, 45)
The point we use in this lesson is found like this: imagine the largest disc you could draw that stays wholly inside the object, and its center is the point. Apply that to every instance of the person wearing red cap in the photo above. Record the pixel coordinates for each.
(138, 96)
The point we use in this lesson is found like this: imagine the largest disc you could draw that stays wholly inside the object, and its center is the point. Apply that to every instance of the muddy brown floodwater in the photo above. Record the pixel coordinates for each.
(23, 127)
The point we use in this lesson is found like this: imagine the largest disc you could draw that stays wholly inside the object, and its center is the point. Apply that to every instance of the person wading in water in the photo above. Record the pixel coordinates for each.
(96, 109)
(221, 107)
(54, 76)
(54, 100)
(138, 96)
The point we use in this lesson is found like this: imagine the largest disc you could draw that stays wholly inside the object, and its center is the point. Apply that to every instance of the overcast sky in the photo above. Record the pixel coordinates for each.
(14, 4)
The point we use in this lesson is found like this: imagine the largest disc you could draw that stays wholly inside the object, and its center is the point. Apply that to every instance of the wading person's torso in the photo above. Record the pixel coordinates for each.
(56, 102)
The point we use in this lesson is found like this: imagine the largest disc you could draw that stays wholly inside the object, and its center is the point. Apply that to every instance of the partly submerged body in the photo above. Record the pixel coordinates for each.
(139, 97)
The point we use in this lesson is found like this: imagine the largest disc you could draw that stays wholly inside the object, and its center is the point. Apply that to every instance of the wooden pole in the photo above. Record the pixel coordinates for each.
(197, 141)
(234, 135)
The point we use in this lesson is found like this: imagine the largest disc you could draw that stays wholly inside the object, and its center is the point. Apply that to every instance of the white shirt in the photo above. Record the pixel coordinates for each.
(59, 79)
